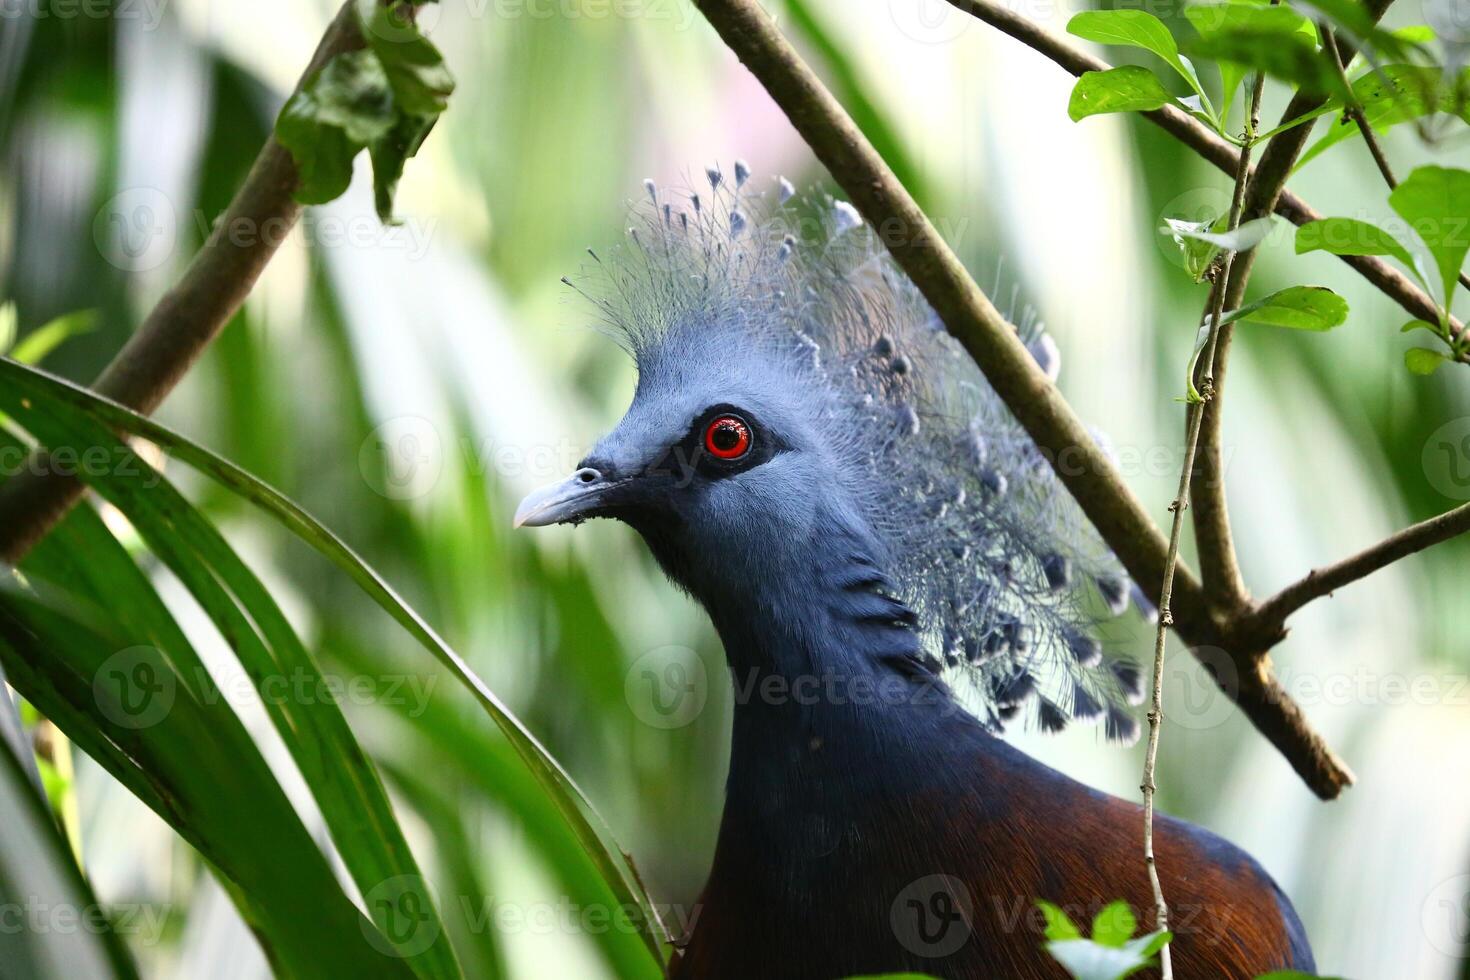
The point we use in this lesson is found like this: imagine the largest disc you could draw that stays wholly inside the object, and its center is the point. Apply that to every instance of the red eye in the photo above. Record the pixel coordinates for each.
(727, 437)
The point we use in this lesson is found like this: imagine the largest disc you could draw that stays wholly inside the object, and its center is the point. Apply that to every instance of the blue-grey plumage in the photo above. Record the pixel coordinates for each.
(862, 403)
(816, 460)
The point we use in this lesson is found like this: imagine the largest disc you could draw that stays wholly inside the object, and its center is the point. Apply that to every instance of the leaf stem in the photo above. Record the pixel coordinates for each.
(1213, 316)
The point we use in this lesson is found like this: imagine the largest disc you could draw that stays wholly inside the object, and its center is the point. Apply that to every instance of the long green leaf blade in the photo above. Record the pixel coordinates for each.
(591, 830)
(341, 777)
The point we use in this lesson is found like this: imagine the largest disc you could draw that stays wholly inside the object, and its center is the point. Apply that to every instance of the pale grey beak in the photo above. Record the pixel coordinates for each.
(569, 500)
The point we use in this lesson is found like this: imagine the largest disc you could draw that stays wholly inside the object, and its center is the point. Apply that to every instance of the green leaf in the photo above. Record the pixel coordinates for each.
(34, 347)
(1209, 19)
(390, 154)
(1420, 34)
(1223, 18)
(1413, 325)
(1059, 925)
(1242, 238)
(385, 97)
(9, 325)
(1130, 28)
(1435, 201)
(1231, 75)
(1201, 338)
(1201, 241)
(1126, 89)
(1088, 960)
(352, 94)
(478, 757)
(341, 778)
(1197, 253)
(1153, 942)
(1353, 18)
(36, 866)
(1421, 360)
(1349, 236)
(1114, 925)
(571, 804)
(190, 760)
(323, 153)
(13, 736)
(1137, 29)
(1395, 94)
(415, 69)
(1268, 39)
(1315, 308)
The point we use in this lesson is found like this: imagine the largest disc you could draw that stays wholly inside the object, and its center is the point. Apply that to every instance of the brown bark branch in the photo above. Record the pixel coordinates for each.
(1205, 142)
(187, 318)
(1214, 308)
(1031, 397)
(1354, 111)
(1219, 566)
(1272, 614)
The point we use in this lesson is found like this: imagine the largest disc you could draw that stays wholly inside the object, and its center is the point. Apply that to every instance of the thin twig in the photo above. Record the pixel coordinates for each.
(187, 318)
(1272, 613)
(1214, 541)
(1205, 142)
(1214, 311)
(1354, 111)
(1036, 403)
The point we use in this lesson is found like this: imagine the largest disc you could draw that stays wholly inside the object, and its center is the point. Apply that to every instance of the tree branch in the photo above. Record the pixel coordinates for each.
(1272, 614)
(1212, 316)
(1219, 565)
(1354, 111)
(186, 319)
(1208, 144)
(1030, 396)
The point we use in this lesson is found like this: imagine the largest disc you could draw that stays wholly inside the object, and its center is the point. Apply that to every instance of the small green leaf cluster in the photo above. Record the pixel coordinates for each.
(1401, 83)
(1312, 308)
(1111, 953)
(1243, 36)
(1434, 203)
(384, 97)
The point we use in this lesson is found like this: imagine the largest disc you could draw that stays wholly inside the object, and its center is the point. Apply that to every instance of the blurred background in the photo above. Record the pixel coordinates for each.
(407, 384)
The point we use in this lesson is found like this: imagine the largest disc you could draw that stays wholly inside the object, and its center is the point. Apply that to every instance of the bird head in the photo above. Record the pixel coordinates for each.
(720, 462)
(799, 407)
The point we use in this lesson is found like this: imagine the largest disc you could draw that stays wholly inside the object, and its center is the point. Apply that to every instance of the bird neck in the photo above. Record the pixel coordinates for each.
(833, 699)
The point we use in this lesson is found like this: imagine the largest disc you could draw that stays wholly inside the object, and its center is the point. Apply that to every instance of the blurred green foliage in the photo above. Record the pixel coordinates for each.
(554, 120)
